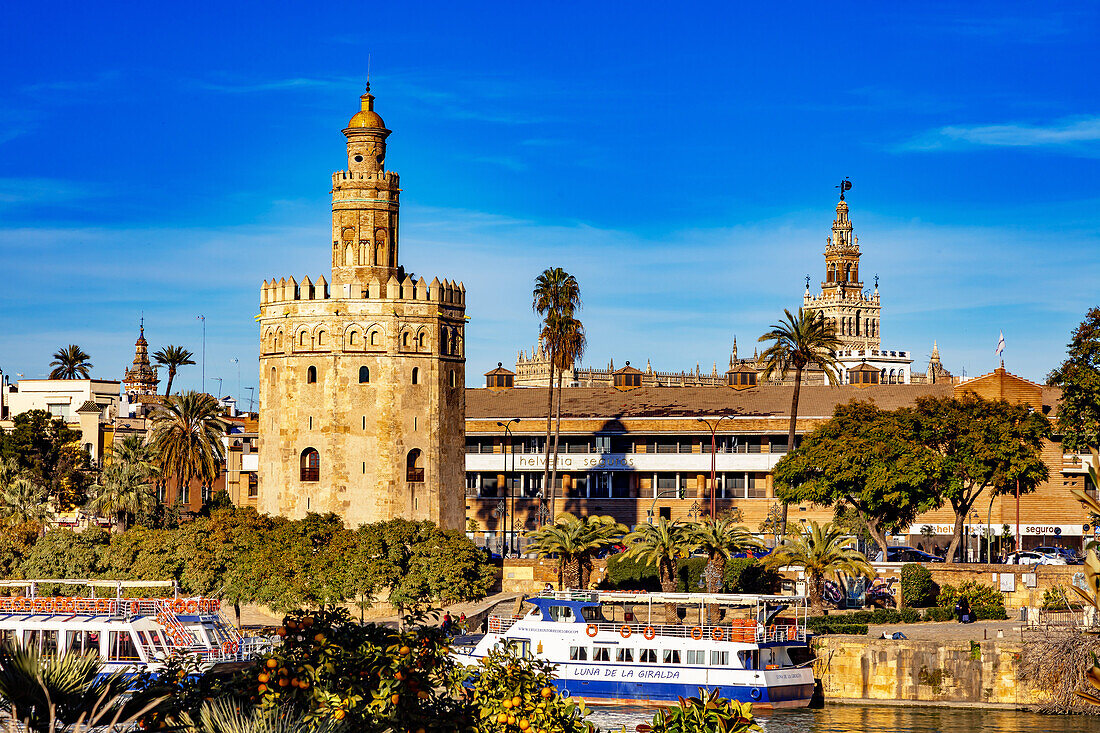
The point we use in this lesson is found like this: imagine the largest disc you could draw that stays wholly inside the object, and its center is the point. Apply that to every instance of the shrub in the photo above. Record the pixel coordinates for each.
(909, 615)
(689, 573)
(707, 713)
(935, 613)
(977, 594)
(1057, 598)
(630, 574)
(746, 575)
(989, 613)
(834, 625)
(917, 587)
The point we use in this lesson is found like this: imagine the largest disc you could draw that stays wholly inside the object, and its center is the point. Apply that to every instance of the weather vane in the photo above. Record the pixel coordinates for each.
(876, 281)
(807, 282)
(845, 185)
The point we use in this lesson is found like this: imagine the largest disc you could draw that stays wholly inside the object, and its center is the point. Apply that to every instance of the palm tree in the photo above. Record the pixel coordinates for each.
(70, 363)
(186, 438)
(797, 342)
(661, 544)
(574, 541)
(820, 550)
(557, 292)
(133, 450)
(23, 500)
(567, 333)
(721, 538)
(124, 491)
(173, 357)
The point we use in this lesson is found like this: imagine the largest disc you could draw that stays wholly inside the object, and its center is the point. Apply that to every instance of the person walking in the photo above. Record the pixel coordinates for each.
(445, 627)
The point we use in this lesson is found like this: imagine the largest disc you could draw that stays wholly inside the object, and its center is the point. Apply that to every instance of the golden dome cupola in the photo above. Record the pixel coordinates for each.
(366, 134)
(366, 116)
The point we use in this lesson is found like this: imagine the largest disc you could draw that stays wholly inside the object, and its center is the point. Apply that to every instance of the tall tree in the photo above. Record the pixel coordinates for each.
(173, 357)
(797, 342)
(982, 444)
(123, 492)
(869, 459)
(133, 450)
(48, 452)
(1079, 378)
(557, 292)
(573, 541)
(567, 334)
(720, 539)
(661, 545)
(70, 363)
(186, 437)
(23, 500)
(821, 550)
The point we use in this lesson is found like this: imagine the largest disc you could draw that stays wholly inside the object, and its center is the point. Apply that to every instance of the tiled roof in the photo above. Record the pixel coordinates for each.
(89, 406)
(762, 401)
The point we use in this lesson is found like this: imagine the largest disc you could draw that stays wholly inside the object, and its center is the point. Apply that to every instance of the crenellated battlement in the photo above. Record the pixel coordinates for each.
(285, 290)
(389, 177)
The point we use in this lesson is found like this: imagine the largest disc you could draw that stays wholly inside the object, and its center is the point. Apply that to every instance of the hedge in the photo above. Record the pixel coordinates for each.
(917, 587)
(821, 625)
(981, 613)
(742, 575)
(746, 575)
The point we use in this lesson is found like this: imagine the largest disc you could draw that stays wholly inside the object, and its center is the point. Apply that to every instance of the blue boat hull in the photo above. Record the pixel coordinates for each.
(611, 692)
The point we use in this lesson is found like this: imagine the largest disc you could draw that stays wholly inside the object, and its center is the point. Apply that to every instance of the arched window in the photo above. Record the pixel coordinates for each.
(311, 375)
(416, 375)
(858, 314)
(310, 465)
(353, 338)
(414, 466)
(321, 336)
(445, 346)
(373, 338)
(405, 339)
(302, 338)
(272, 374)
(420, 341)
(454, 378)
(364, 375)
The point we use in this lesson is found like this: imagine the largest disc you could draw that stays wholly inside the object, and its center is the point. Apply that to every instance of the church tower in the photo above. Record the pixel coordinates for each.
(140, 380)
(853, 313)
(362, 402)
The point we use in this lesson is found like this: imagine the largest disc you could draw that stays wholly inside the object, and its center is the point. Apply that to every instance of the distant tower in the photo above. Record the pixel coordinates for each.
(853, 315)
(362, 402)
(141, 378)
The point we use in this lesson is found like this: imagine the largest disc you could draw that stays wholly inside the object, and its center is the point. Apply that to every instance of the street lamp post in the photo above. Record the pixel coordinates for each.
(989, 531)
(713, 430)
(511, 494)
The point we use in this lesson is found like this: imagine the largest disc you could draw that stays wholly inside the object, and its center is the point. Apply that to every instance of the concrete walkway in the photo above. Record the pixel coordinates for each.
(950, 630)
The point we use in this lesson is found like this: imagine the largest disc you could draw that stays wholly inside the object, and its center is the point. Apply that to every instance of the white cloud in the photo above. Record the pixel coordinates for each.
(1080, 135)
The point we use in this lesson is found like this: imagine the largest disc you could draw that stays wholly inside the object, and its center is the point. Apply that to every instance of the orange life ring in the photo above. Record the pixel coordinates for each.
(178, 605)
(591, 629)
(792, 633)
(81, 605)
(103, 606)
(5, 604)
(697, 633)
(192, 607)
(27, 605)
(68, 605)
(718, 633)
(134, 607)
(624, 631)
(37, 604)
(649, 632)
(49, 605)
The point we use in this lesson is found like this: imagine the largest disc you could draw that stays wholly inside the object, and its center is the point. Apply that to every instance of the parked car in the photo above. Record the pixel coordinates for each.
(1071, 556)
(1030, 557)
(905, 553)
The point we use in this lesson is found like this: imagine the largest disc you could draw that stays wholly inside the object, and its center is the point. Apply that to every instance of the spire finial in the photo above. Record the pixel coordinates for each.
(845, 185)
(807, 283)
(876, 281)
(368, 72)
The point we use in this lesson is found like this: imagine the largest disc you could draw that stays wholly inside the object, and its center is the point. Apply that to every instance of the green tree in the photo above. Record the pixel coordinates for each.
(1079, 378)
(821, 550)
(123, 492)
(661, 545)
(133, 450)
(574, 540)
(173, 357)
(49, 453)
(566, 333)
(556, 292)
(982, 444)
(63, 553)
(70, 363)
(186, 437)
(22, 500)
(797, 342)
(869, 459)
(721, 539)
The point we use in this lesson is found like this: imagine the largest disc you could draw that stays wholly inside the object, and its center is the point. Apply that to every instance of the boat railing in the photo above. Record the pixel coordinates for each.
(108, 606)
(747, 632)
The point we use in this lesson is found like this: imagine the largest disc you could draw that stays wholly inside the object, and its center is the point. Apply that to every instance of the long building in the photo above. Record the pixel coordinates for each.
(641, 453)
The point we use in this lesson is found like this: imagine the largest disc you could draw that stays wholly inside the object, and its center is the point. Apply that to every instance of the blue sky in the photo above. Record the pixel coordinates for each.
(679, 159)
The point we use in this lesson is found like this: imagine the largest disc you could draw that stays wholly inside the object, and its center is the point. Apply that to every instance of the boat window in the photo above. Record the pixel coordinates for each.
(31, 639)
(49, 641)
(561, 613)
(623, 654)
(601, 654)
(749, 658)
(121, 646)
(719, 659)
(592, 613)
(578, 654)
(7, 636)
(697, 656)
(82, 642)
(647, 655)
(671, 656)
(521, 646)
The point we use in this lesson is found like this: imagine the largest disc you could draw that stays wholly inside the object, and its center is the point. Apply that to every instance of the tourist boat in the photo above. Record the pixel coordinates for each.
(130, 634)
(613, 648)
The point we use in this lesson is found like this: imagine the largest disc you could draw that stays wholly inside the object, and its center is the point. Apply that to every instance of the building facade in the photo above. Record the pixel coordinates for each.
(362, 380)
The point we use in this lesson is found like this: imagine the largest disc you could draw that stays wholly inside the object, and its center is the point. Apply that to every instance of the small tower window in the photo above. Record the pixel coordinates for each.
(454, 378)
(373, 338)
(416, 375)
(311, 375)
(405, 339)
(414, 466)
(358, 158)
(364, 375)
(420, 341)
(310, 466)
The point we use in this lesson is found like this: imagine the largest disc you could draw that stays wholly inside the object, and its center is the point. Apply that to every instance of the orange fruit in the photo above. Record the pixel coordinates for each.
(307, 621)
(423, 695)
(283, 682)
(502, 717)
(403, 651)
(294, 682)
(339, 714)
(292, 624)
(272, 664)
(318, 637)
(507, 704)
(281, 631)
(511, 720)
(261, 689)
(303, 684)
(399, 675)
(547, 693)
(395, 698)
(517, 701)
(523, 724)
(263, 677)
(421, 730)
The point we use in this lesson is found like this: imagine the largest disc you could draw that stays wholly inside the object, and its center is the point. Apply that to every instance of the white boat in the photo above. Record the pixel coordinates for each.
(613, 648)
(131, 634)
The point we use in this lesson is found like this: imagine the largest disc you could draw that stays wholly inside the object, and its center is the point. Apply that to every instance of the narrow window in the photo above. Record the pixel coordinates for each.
(321, 338)
(416, 375)
(405, 339)
(624, 654)
(311, 375)
(364, 466)
(414, 466)
(310, 466)
(364, 422)
(670, 656)
(311, 422)
(601, 654)
(272, 374)
(373, 338)
(421, 341)
(578, 654)
(364, 375)
(647, 655)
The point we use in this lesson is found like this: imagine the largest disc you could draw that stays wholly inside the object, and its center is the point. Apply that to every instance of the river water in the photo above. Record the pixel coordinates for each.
(882, 719)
